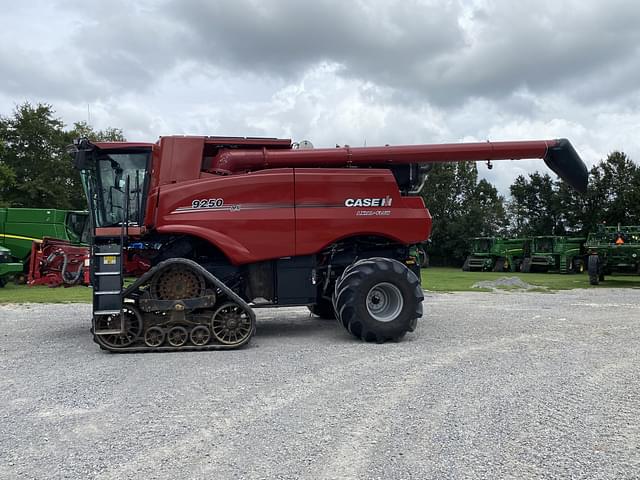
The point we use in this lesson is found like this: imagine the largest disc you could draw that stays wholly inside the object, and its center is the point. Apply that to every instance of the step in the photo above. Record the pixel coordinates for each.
(107, 312)
(114, 331)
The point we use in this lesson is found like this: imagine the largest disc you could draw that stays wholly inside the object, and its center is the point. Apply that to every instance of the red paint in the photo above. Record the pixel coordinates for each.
(53, 262)
(269, 200)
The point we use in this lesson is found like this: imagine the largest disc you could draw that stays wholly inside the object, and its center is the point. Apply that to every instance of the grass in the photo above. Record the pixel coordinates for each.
(438, 279)
(12, 293)
(434, 279)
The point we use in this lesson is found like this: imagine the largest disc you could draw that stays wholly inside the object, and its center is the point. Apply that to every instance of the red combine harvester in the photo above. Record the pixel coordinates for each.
(229, 224)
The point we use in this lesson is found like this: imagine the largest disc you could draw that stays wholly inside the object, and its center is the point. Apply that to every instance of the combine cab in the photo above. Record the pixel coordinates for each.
(232, 224)
(555, 253)
(613, 250)
(495, 254)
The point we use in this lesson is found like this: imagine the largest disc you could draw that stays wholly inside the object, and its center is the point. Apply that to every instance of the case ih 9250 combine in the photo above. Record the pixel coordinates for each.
(231, 224)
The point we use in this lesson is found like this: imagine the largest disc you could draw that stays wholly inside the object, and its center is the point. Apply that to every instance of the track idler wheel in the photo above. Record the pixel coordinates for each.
(177, 282)
(231, 325)
(132, 328)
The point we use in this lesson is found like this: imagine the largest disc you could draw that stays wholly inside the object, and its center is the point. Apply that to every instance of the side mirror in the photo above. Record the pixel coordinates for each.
(82, 153)
(80, 160)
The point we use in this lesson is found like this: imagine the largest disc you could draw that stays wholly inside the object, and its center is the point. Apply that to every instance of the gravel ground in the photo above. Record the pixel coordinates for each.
(491, 385)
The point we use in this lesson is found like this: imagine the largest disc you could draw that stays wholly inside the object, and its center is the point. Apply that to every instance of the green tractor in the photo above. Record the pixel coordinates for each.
(496, 254)
(20, 227)
(8, 266)
(613, 250)
(555, 253)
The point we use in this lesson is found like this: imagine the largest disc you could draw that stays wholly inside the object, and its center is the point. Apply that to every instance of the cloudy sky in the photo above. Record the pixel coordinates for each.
(335, 71)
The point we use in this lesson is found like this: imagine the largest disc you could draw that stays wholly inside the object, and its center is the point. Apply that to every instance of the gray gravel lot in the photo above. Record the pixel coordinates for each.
(491, 385)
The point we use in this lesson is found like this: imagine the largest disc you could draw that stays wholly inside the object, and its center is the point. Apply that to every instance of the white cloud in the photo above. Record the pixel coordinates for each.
(335, 72)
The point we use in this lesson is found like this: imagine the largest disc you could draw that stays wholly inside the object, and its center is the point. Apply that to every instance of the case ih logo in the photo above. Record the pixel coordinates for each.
(368, 202)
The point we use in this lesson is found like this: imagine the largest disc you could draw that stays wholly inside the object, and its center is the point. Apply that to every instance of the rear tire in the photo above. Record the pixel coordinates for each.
(323, 309)
(578, 265)
(378, 299)
(593, 268)
(465, 265)
(423, 258)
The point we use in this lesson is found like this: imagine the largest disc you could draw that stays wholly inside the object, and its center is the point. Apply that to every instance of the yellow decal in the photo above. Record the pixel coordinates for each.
(109, 260)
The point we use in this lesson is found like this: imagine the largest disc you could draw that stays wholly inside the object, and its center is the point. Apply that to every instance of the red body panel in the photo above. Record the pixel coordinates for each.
(286, 212)
(254, 222)
(322, 216)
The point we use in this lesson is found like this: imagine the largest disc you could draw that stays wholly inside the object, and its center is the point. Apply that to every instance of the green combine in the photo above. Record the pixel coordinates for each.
(496, 254)
(8, 266)
(555, 253)
(19, 227)
(613, 250)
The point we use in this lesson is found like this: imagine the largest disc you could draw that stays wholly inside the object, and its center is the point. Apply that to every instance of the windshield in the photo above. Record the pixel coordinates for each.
(544, 245)
(482, 244)
(77, 224)
(105, 185)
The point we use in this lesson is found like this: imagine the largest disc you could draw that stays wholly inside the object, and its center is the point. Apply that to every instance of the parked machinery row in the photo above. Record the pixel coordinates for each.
(607, 250)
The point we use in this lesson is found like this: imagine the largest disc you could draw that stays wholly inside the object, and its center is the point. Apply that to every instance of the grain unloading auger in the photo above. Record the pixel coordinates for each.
(231, 224)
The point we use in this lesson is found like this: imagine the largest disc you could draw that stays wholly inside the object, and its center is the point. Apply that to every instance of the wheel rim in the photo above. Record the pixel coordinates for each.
(177, 336)
(200, 335)
(176, 283)
(230, 324)
(154, 337)
(132, 329)
(384, 302)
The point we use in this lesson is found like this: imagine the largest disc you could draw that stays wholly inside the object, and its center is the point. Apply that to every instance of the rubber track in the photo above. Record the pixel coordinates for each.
(212, 279)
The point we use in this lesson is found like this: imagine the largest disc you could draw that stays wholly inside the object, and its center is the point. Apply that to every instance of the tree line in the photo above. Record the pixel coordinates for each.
(464, 207)
(35, 171)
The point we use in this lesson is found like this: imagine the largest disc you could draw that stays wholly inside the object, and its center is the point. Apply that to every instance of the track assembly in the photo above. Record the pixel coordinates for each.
(177, 305)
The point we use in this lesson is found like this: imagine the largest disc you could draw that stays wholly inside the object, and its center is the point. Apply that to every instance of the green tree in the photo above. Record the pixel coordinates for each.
(35, 170)
(534, 206)
(462, 208)
(619, 181)
(33, 142)
(540, 206)
(487, 211)
(83, 129)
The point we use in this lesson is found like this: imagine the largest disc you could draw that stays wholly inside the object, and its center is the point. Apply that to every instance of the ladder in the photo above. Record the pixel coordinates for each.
(563, 264)
(107, 263)
(107, 281)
